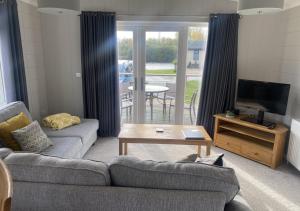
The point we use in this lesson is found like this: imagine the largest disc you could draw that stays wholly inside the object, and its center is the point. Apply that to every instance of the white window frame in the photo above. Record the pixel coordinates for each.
(139, 29)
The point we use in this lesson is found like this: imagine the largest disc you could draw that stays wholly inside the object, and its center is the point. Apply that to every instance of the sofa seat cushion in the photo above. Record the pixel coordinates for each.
(64, 147)
(132, 172)
(36, 168)
(84, 130)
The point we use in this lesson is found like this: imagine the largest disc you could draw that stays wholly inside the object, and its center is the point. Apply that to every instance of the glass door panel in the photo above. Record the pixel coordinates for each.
(196, 50)
(126, 75)
(161, 50)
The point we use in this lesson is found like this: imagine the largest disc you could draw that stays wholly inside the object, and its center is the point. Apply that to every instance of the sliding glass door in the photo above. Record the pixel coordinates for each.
(160, 70)
(160, 76)
(196, 51)
(126, 75)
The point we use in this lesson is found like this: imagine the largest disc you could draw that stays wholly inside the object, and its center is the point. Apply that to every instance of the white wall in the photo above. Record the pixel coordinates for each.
(61, 39)
(260, 47)
(290, 68)
(30, 26)
(269, 50)
(260, 50)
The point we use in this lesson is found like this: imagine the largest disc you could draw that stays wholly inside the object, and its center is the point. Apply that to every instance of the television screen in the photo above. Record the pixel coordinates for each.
(263, 96)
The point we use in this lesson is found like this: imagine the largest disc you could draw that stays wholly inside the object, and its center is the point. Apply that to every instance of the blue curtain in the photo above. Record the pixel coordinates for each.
(12, 53)
(220, 69)
(100, 73)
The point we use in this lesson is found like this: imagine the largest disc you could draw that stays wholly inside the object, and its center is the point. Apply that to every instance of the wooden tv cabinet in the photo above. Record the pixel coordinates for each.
(250, 140)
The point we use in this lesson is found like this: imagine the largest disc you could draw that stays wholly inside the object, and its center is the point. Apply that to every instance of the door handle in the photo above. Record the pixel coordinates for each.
(143, 84)
(135, 84)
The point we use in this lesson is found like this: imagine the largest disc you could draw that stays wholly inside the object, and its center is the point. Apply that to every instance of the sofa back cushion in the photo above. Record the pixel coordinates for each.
(12, 109)
(132, 172)
(30, 167)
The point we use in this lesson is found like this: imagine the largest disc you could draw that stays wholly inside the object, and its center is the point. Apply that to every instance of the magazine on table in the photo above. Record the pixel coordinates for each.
(192, 134)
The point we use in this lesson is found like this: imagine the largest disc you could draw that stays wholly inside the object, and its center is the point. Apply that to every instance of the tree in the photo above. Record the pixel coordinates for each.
(162, 50)
(125, 49)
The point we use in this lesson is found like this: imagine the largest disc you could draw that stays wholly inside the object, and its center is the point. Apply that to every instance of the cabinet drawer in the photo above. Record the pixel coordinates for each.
(257, 154)
(229, 143)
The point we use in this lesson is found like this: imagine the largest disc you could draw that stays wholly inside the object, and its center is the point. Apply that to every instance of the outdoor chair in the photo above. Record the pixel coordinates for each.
(126, 99)
(167, 96)
(127, 103)
(191, 106)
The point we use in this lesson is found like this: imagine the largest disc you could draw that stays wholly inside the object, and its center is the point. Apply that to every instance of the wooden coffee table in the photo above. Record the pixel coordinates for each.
(146, 134)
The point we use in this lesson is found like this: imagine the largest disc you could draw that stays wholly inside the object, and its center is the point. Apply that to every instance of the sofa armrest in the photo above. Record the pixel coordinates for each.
(30, 167)
(4, 152)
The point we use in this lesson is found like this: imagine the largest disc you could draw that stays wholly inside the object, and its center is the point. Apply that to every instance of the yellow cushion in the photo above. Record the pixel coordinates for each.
(12, 124)
(60, 121)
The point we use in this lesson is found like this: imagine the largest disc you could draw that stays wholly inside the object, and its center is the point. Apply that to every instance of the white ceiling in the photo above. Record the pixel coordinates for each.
(288, 3)
(291, 3)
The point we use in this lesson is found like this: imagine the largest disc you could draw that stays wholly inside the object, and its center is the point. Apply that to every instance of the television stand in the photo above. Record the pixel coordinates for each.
(267, 124)
(250, 140)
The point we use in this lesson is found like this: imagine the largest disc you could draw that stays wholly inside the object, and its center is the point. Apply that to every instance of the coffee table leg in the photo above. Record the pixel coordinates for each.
(199, 150)
(208, 149)
(125, 149)
(120, 148)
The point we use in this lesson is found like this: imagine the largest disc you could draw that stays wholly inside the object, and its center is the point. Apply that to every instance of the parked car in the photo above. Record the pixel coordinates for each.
(125, 71)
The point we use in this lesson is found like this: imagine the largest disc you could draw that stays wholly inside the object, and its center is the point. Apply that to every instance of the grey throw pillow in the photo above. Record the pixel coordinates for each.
(211, 160)
(216, 159)
(32, 138)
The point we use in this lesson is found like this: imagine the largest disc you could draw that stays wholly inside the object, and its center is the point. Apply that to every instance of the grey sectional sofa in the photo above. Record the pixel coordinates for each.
(52, 181)
(48, 183)
(72, 142)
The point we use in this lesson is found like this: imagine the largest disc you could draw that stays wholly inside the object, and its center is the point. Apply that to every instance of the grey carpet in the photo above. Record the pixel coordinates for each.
(263, 187)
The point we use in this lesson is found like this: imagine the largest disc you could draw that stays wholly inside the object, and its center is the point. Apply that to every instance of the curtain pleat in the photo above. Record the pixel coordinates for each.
(99, 67)
(11, 50)
(220, 69)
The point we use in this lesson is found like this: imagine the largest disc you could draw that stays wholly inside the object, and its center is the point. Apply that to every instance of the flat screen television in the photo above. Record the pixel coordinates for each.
(263, 96)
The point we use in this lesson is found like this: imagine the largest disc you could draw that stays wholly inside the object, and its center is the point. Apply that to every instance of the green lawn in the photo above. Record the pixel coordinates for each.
(161, 72)
(191, 86)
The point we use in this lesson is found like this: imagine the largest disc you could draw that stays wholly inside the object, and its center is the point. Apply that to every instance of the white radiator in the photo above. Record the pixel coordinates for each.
(294, 144)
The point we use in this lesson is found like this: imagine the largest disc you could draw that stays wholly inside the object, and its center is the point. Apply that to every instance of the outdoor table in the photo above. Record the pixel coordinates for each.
(151, 90)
